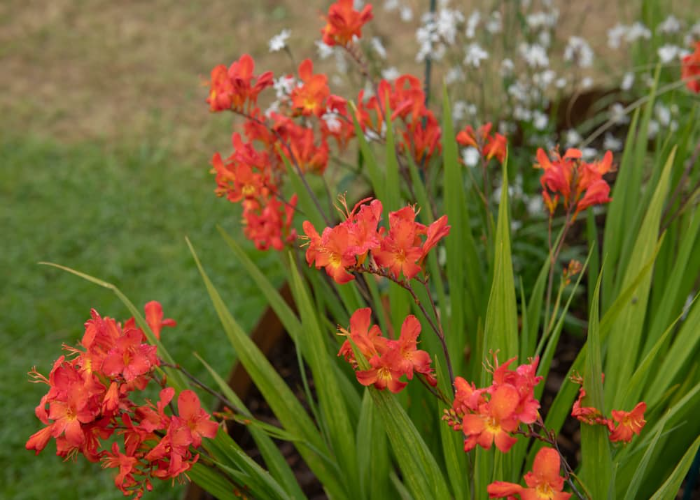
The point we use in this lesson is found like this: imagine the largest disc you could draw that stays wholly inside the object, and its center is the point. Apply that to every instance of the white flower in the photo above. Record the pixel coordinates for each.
(446, 24)
(390, 74)
(653, 129)
(542, 19)
(475, 54)
(663, 114)
(378, 47)
(668, 53)
(578, 52)
(627, 81)
(573, 138)
(390, 5)
(615, 35)
(507, 67)
(539, 120)
(587, 82)
(454, 74)
(544, 78)
(522, 113)
(535, 55)
(332, 121)
(406, 14)
(544, 38)
(692, 35)
(472, 23)
(470, 156)
(535, 205)
(358, 4)
(560, 83)
(278, 42)
(669, 25)
(283, 86)
(637, 31)
(462, 109)
(495, 23)
(618, 114)
(612, 143)
(341, 64)
(324, 51)
(589, 153)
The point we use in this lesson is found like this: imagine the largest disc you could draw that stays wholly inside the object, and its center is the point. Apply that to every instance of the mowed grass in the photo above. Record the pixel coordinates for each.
(122, 216)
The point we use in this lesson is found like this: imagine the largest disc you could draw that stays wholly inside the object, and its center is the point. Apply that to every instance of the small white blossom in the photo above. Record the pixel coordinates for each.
(636, 32)
(669, 25)
(653, 129)
(627, 81)
(454, 74)
(668, 53)
(358, 4)
(573, 138)
(539, 120)
(406, 14)
(390, 74)
(278, 42)
(587, 82)
(446, 24)
(494, 24)
(522, 113)
(332, 121)
(615, 35)
(535, 205)
(579, 52)
(470, 156)
(618, 114)
(542, 19)
(589, 153)
(612, 143)
(560, 83)
(283, 86)
(518, 91)
(337, 81)
(324, 51)
(544, 38)
(378, 47)
(543, 79)
(475, 54)
(663, 114)
(462, 110)
(390, 5)
(535, 55)
(341, 63)
(507, 67)
(692, 35)
(472, 23)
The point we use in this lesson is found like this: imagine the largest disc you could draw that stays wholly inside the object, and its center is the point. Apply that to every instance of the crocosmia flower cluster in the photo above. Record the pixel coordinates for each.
(487, 144)
(359, 244)
(404, 100)
(344, 23)
(576, 183)
(544, 481)
(690, 70)
(389, 359)
(492, 414)
(89, 401)
(623, 424)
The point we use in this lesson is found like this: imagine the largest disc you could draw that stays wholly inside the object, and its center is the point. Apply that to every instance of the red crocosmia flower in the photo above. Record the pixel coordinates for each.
(628, 423)
(384, 373)
(411, 358)
(270, 225)
(690, 70)
(127, 465)
(436, 231)
(337, 122)
(130, 357)
(236, 88)
(422, 137)
(488, 145)
(467, 397)
(333, 250)
(587, 414)
(39, 440)
(344, 23)
(493, 421)
(577, 183)
(154, 318)
(544, 482)
(198, 420)
(310, 98)
(401, 247)
(368, 340)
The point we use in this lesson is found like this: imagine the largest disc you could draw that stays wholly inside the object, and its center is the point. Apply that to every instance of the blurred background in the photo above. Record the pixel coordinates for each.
(105, 141)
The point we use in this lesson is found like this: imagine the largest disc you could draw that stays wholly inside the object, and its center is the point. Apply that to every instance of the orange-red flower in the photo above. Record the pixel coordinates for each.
(488, 145)
(236, 88)
(493, 421)
(544, 481)
(578, 184)
(690, 70)
(389, 359)
(310, 98)
(628, 423)
(344, 23)
(154, 318)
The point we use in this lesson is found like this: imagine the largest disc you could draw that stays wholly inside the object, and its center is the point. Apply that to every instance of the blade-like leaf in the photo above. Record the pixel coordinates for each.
(670, 488)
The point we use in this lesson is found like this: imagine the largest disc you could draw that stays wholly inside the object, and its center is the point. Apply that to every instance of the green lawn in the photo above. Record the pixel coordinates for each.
(121, 216)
